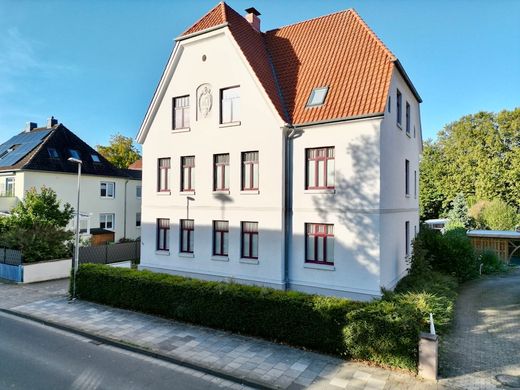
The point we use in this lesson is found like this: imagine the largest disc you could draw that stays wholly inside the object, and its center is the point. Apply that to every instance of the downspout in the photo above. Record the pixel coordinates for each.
(289, 131)
(124, 218)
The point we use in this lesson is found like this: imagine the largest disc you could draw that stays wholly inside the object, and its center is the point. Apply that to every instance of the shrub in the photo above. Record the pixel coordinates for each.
(491, 263)
(295, 318)
(498, 215)
(458, 256)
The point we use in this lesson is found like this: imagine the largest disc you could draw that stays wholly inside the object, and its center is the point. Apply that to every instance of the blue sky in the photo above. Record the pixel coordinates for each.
(95, 64)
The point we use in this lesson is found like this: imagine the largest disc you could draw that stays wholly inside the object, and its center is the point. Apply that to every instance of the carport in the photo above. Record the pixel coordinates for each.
(504, 243)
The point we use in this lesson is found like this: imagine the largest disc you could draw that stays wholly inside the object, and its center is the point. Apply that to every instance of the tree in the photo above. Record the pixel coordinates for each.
(479, 156)
(498, 215)
(458, 215)
(121, 152)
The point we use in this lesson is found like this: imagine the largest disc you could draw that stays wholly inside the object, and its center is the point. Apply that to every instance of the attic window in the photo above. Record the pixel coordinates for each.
(12, 148)
(95, 158)
(74, 154)
(318, 96)
(53, 153)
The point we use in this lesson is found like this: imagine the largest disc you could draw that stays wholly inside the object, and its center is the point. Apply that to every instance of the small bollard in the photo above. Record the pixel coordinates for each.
(428, 355)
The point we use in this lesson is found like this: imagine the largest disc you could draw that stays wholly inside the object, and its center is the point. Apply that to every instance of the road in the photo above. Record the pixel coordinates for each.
(33, 356)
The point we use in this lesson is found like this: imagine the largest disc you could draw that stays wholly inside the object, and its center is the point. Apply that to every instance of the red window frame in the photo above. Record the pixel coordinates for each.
(247, 253)
(233, 102)
(187, 162)
(163, 171)
(183, 110)
(319, 154)
(188, 227)
(218, 230)
(318, 230)
(249, 163)
(163, 229)
(216, 166)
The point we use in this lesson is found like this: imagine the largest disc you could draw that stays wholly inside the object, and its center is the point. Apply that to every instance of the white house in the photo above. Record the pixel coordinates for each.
(110, 199)
(287, 158)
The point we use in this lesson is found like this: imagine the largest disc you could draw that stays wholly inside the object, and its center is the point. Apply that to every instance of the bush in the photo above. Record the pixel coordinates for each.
(498, 215)
(295, 318)
(491, 263)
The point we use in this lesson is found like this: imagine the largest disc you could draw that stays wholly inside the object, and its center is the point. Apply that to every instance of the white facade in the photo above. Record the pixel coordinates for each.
(367, 207)
(124, 204)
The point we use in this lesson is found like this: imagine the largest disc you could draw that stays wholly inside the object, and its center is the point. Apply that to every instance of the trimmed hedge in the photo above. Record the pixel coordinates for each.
(291, 317)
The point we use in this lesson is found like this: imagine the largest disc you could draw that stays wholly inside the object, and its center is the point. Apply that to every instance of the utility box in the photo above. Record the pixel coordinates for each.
(428, 356)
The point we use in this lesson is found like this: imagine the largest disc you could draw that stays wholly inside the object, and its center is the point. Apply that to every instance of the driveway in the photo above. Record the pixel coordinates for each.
(485, 341)
(12, 295)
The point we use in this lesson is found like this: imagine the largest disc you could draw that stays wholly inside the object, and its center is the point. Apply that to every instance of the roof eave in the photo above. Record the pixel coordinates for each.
(197, 33)
(407, 79)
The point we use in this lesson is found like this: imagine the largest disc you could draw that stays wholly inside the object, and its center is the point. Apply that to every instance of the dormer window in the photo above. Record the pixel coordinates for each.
(53, 153)
(317, 97)
(74, 154)
(95, 158)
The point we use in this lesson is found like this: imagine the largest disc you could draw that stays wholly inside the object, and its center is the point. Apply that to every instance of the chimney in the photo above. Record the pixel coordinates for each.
(253, 18)
(30, 126)
(51, 122)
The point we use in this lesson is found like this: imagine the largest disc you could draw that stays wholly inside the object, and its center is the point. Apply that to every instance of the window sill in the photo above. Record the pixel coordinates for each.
(187, 193)
(230, 124)
(249, 261)
(162, 253)
(399, 126)
(219, 258)
(323, 267)
(164, 193)
(216, 192)
(182, 130)
(107, 197)
(408, 134)
(249, 192)
(321, 191)
(186, 254)
(407, 195)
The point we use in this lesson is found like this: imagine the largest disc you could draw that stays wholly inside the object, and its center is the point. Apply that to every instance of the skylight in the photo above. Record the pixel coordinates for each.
(95, 157)
(53, 153)
(318, 96)
(74, 154)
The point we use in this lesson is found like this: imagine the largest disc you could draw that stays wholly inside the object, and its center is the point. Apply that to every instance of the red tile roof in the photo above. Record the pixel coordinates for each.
(138, 165)
(337, 50)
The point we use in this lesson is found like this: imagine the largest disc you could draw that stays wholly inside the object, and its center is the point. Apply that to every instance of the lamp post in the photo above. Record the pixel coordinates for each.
(75, 263)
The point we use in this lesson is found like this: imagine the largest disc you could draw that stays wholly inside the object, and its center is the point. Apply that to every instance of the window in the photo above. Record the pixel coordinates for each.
(320, 168)
(188, 173)
(107, 221)
(250, 171)
(138, 192)
(95, 158)
(407, 177)
(317, 96)
(53, 153)
(399, 108)
(187, 235)
(389, 103)
(163, 180)
(181, 112)
(137, 219)
(415, 184)
(230, 105)
(108, 189)
(407, 118)
(220, 238)
(249, 240)
(221, 172)
(8, 187)
(319, 243)
(407, 238)
(163, 234)
(74, 154)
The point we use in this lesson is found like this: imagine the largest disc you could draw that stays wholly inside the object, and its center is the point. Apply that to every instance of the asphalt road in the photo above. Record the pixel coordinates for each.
(33, 356)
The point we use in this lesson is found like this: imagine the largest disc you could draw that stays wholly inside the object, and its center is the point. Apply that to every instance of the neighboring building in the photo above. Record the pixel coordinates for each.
(137, 166)
(287, 158)
(110, 203)
(437, 224)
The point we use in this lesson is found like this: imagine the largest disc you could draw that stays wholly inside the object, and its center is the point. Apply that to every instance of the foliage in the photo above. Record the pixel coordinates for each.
(498, 215)
(121, 151)
(458, 215)
(299, 319)
(475, 213)
(491, 263)
(478, 155)
(36, 226)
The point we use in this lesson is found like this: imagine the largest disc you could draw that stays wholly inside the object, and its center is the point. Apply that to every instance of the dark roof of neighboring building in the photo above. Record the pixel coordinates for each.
(338, 51)
(52, 151)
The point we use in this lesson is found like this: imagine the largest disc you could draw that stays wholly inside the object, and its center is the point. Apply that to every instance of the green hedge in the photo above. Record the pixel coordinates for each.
(295, 318)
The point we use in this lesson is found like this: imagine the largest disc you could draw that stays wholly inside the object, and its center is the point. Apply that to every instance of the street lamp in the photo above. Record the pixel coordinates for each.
(75, 263)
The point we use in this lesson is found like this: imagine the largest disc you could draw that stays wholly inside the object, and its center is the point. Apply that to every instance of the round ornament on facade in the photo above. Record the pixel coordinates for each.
(204, 57)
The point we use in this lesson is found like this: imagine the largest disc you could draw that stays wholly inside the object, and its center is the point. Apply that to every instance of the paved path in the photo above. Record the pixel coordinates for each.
(12, 294)
(260, 361)
(485, 341)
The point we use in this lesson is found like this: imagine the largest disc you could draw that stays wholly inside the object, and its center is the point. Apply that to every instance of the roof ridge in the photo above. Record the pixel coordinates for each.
(222, 5)
(311, 19)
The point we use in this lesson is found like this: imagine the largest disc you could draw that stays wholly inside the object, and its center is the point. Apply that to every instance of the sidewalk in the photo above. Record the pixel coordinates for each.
(257, 361)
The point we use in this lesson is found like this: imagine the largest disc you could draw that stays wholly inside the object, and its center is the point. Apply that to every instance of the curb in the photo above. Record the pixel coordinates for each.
(143, 351)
